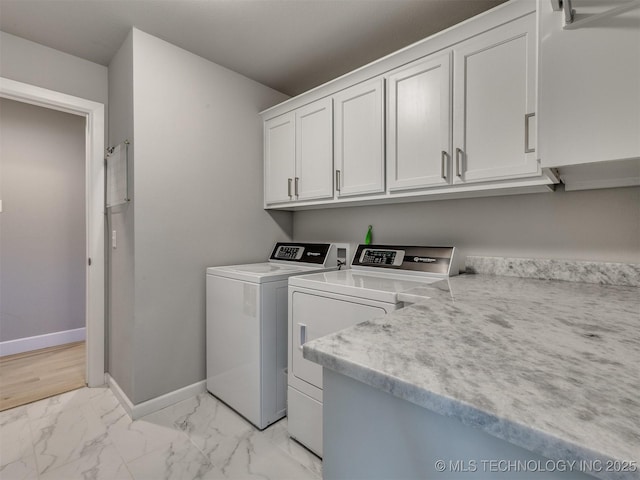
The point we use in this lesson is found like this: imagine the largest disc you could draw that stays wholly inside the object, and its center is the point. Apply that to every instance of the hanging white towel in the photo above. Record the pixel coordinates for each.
(117, 176)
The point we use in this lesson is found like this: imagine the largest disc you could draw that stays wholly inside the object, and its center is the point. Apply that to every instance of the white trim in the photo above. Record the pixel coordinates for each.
(539, 184)
(119, 394)
(27, 344)
(155, 404)
(94, 113)
(592, 184)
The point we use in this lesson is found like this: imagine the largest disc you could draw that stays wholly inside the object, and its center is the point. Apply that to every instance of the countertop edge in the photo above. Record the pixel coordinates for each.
(524, 436)
(582, 271)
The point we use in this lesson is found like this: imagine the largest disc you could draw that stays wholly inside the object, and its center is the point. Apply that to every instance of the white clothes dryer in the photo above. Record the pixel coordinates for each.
(246, 328)
(323, 303)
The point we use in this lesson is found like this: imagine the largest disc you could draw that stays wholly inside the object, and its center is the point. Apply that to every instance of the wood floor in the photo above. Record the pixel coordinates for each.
(30, 376)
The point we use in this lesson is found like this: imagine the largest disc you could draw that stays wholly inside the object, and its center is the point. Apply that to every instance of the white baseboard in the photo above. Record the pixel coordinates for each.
(155, 404)
(119, 394)
(28, 344)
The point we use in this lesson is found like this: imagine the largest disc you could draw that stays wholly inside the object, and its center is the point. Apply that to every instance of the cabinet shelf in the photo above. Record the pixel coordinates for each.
(545, 183)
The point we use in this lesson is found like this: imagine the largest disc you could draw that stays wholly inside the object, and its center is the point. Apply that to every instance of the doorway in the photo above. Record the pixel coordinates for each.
(93, 114)
(42, 252)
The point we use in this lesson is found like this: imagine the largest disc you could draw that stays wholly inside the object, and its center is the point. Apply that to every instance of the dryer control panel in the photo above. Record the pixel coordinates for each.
(435, 260)
(381, 256)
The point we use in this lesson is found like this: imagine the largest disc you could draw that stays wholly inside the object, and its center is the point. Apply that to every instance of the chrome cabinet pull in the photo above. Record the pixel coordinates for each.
(295, 190)
(443, 166)
(459, 154)
(303, 334)
(289, 186)
(337, 180)
(527, 148)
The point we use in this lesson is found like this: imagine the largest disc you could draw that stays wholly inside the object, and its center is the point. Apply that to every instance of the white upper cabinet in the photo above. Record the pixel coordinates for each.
(279, 158)
(419, 128)
(494, 98)
(590, 85)
(454, 115)
(298, 154)
(359, 139)
(314, 151)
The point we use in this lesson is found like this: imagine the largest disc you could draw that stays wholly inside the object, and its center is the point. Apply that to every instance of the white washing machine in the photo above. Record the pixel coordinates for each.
(323, 303)
(246, 328)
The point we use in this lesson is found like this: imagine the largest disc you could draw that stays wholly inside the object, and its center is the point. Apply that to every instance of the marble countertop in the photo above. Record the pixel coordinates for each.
(551, 366)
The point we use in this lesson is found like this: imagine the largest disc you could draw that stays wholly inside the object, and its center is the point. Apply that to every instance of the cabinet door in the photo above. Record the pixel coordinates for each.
(589, 91)
(314, 151)
(359, 139)
(494, 97)
(279, 158)
(419, 130)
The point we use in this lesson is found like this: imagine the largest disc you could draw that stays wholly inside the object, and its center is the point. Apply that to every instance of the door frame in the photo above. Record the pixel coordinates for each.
(94, 197)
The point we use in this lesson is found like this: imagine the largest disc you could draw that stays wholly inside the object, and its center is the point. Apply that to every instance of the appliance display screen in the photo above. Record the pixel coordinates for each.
(372, 256)
(405, 257)
(289, 252)
(312, 253)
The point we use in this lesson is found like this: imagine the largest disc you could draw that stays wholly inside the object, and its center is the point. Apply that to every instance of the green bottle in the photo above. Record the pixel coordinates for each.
(367, 238)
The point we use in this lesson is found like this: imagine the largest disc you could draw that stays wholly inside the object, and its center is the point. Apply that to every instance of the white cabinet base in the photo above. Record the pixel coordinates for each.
(370, 434)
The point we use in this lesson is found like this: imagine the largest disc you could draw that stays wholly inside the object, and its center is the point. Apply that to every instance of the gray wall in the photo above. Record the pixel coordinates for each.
(601, 225)
(197, 142)
(120, 261)
(35, 64)
(42, 226)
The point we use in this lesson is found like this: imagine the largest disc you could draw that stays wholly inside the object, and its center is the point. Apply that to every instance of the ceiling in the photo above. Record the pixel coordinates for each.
(289, 45)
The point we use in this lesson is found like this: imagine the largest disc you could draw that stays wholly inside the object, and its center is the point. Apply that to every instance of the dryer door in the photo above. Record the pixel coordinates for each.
(314, 316)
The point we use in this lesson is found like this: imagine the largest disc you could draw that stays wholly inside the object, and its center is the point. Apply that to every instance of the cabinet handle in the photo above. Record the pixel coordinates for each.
(443, 166)
(295, 190)
(303, 334)
(337, 180)
(289, 187)
(527, 149)
(459, 154)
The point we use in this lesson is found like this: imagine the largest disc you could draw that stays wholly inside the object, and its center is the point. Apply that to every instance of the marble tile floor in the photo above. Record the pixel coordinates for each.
(86, 434)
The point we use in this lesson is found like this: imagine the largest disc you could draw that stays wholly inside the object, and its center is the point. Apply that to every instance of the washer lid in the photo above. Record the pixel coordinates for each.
(262, 272)
(381, 287)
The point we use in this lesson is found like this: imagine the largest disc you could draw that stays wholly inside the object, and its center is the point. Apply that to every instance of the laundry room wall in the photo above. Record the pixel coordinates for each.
(197, 201)
(120, 219)
(42, 225)
(29, 62)
(599, 225)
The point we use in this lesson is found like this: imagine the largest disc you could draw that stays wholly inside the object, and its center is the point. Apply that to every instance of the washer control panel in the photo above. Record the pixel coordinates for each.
(289, 252)
(310, 253)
